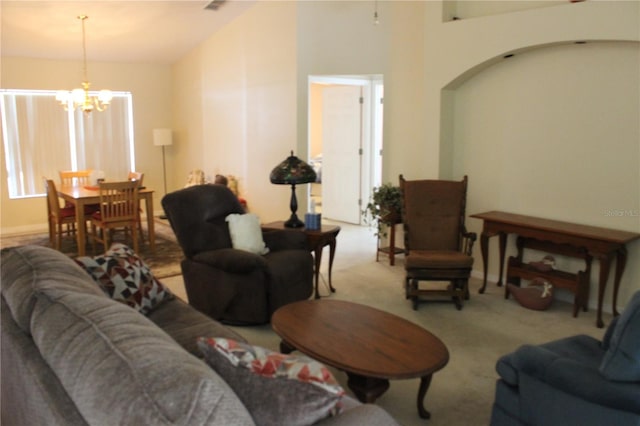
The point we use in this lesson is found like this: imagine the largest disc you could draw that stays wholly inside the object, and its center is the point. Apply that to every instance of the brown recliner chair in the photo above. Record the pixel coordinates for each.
(437, 244)
(231, 285)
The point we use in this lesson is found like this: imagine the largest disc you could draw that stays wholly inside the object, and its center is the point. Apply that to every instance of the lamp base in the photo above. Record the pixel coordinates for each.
(294, 222)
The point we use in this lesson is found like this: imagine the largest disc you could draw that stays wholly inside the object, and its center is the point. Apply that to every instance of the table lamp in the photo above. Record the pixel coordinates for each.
(293, 171)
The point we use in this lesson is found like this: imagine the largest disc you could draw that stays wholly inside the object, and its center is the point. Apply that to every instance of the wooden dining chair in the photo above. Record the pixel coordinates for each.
(58, 216)
(75, 177)
(139, 177)
(118, 210)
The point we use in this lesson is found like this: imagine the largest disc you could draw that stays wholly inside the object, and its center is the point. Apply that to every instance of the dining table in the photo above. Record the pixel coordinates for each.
(83, 195)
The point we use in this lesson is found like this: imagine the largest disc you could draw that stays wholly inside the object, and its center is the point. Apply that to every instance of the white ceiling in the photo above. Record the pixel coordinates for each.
(147, 31)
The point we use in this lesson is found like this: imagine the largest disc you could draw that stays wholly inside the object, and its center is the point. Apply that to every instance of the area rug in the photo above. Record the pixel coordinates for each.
(164, 261)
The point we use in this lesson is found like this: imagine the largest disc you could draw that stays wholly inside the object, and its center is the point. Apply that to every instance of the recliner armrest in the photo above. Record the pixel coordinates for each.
(575, 378)
(231, 260)
(278, 240)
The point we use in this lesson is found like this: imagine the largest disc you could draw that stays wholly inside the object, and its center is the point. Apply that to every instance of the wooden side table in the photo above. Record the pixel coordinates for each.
(391, 249)
(317, 239)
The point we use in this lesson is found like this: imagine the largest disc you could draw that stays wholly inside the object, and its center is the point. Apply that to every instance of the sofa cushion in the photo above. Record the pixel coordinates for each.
(275, 388)
(120, 368)
(126, 278)
(185, 325)
(622, 360)
(26, 270)
(246, 233)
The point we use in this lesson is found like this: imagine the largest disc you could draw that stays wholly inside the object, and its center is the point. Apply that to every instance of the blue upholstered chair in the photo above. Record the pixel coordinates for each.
(577, 380)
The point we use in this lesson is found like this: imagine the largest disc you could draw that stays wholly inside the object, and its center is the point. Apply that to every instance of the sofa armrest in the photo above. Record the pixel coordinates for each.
(575, 378)
(231, 260)
(278, 240)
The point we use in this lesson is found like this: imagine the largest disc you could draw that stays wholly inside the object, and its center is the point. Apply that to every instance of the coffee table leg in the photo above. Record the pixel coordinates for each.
(286, 348)
(367, 389)
(422, 392)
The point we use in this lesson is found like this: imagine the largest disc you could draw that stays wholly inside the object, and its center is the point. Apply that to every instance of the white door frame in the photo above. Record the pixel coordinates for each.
(372, 142)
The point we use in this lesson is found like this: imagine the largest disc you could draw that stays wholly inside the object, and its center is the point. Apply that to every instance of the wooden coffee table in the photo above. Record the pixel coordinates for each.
(370, 345)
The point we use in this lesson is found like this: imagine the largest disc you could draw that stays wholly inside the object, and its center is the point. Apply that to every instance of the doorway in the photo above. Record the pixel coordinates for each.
(345, 143)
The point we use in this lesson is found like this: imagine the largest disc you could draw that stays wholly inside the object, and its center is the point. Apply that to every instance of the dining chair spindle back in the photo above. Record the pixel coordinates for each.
(58, 216)
(75, 177)
(139, 177)
(119, 208)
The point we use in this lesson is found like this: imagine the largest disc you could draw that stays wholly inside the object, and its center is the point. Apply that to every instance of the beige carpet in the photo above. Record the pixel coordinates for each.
(487, 327)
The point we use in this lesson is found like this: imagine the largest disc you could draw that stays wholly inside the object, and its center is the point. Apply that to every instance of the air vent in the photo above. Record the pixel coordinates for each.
(215, 4)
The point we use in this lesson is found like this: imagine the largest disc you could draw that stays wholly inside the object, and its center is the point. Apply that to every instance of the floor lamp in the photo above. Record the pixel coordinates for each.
(163, 137)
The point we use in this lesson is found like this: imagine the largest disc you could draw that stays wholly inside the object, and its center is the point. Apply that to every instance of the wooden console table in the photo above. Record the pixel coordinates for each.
(600, 243)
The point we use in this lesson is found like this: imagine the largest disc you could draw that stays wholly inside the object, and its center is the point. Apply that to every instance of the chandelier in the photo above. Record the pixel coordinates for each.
(81, 97)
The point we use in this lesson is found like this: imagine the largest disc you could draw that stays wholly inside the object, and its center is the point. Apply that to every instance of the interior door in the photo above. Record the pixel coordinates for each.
(341, 156)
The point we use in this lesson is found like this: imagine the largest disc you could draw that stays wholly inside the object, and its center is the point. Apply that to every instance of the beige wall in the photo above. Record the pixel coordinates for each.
(551, 132)
(150, 86)
(241, 119)
(339, 38)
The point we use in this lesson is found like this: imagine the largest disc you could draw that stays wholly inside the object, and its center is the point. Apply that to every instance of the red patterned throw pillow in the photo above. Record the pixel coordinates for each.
(277, 389)
(125, 277)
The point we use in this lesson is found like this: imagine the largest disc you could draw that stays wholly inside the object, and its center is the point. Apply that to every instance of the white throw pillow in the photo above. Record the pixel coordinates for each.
(246, 233)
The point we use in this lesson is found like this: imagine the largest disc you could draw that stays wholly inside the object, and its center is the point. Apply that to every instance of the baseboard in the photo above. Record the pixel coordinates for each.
(24, 230)
(39, 228)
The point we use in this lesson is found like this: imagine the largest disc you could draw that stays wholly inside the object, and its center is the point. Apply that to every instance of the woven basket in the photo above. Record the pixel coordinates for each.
(538, 295)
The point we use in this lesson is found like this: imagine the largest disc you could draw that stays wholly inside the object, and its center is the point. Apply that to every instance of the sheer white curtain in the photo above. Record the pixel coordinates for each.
(102, 143)
(40, 138)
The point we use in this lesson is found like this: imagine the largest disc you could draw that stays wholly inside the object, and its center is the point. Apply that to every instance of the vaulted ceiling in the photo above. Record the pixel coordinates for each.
(116, 31)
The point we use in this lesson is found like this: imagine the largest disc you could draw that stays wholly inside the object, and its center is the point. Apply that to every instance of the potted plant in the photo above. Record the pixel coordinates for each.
(384, 208)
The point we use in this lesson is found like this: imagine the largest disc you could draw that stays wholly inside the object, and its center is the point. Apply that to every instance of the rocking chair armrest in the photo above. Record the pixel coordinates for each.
(468, 238)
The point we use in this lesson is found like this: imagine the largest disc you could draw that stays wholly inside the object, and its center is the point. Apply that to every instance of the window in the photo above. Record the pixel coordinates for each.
(40, 138)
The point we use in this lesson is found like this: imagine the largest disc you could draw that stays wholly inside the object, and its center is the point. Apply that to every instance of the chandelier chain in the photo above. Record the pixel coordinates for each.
(81, 98)
(84, 47)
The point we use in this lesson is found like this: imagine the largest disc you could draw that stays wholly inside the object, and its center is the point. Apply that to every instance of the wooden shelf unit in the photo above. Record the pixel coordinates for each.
(578, 283)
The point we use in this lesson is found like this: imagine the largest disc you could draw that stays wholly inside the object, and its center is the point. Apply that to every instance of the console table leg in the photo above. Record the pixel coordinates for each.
(602, 284)
(621, 262)
(422, 392)
(484, 248)
(502, 238)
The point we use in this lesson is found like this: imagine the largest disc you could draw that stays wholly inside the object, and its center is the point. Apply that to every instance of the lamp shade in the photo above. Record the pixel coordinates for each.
(162, 137)
(292, 171)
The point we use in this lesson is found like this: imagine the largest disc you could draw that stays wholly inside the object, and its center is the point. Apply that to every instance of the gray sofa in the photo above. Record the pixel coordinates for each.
(577, 380)
(73, 356)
